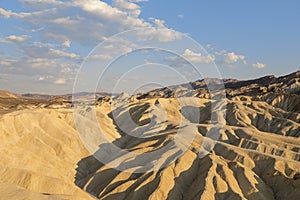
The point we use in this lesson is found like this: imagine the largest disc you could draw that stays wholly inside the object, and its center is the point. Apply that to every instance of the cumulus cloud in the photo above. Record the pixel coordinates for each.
(129, 7)
(192, 57)
(229, 58)
(159, 23)
(84, 23)
(197, 57)
(162, 34)
(259, 65)
(97, 18)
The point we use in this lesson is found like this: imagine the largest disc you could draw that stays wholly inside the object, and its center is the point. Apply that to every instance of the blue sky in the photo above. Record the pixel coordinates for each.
(43, 44)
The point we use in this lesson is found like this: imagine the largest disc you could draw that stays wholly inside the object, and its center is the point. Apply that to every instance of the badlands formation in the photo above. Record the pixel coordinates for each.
(244, 147)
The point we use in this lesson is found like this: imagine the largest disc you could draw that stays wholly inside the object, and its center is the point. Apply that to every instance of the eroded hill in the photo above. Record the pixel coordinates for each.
(254, 155)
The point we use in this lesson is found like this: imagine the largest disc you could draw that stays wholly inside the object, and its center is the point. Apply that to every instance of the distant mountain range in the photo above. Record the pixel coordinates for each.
(288, 83)
(233, 87)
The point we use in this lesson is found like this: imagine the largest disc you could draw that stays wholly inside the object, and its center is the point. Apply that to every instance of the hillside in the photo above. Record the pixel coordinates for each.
(187, 145)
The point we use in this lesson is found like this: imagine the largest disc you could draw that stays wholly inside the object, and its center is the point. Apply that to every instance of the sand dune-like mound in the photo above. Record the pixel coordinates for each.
(39, 151)
(7, 94)
(256, 156)
(187, 145)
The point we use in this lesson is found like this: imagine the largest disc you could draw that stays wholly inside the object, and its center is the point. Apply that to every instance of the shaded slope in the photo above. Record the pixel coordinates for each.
(256, 157)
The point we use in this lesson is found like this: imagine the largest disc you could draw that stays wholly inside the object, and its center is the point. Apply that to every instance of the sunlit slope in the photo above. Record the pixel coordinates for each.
(39, 151)
(248, 147)
(255, 157)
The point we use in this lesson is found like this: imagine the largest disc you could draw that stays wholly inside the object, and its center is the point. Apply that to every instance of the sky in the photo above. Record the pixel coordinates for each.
(57, 47)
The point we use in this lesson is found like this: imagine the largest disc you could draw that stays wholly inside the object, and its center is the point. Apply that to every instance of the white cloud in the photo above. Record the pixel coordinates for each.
(229, 58)
(60, 53)
(55, 23)
(220, 52)
(197, 57)
(129, 7)
(190, 56)
(18, 39)
(162, 34)
(147, 62)
(5, 63)
(41, 3)
(66, 43)
(100, 57)
(104, 11)
(180, 16)
(41, 78)
(159, 23)
(44, 67)
(98, 19)
(209, 46)
(14, 39)
(7, 13)
(111, 48)
(259, 65)
(65, 70)
(64, 20)
(60, 81)
(38, 64)
(47, 52)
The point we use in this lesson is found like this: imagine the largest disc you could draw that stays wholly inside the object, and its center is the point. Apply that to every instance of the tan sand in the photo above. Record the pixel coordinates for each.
(256, 155)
